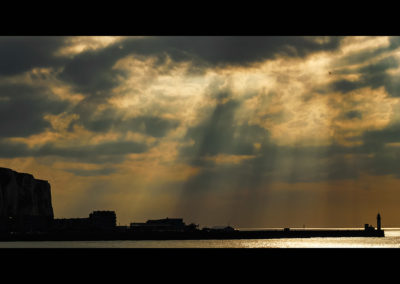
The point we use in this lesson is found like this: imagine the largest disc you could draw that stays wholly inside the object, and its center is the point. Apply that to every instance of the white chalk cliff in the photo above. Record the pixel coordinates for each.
(23, 195)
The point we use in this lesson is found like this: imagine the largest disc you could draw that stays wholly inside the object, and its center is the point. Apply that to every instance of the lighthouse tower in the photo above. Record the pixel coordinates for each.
(378, 221)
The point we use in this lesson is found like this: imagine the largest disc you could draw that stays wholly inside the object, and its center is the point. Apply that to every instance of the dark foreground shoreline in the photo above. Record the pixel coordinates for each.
(196, 235)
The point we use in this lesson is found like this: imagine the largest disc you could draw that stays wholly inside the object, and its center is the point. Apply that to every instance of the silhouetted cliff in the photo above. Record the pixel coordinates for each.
(24, 200)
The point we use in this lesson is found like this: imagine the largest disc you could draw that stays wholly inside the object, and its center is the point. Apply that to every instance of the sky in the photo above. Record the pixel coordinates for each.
(267, 131)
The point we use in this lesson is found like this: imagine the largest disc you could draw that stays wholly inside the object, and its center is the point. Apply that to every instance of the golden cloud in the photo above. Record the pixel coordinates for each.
(79, 44)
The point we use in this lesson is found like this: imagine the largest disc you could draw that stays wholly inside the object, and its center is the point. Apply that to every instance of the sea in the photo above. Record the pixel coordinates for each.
(391, 240)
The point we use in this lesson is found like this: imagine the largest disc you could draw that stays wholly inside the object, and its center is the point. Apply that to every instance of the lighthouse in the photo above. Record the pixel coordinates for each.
(378, 221)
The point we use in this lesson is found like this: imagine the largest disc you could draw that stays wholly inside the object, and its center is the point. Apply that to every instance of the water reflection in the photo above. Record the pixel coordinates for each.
(391, 240)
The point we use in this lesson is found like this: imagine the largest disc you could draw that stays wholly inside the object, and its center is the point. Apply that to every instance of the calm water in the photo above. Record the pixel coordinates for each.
(391, 240)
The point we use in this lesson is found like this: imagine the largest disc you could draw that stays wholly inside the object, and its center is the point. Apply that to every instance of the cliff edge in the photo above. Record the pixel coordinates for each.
(22, 197)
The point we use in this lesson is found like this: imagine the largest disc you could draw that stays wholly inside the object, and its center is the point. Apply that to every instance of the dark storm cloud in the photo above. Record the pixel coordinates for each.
(112, 119)
(230, 50)
(379, 158)
(345, 86)
(352, 114)
(374, 141)
(362, 56)
(19, 54)
(387, 135)
(375, 75)
(214, 135)
(372, 75)
(150, 125)
(91, 71)
(89, 151)
(14, 149)
(300, 164)
(336, 162)
(375, 156)
(220, 134)
(279, 163)
(379, 67)
(236, 50)
(385, 162)
(103, 122)
(105, 152)
(23, 107)
(87, 173)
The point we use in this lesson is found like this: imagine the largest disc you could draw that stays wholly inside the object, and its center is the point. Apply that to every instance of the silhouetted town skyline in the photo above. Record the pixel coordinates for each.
(27, 212)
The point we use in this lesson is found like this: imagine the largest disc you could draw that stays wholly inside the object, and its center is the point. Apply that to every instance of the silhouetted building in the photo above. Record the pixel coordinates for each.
(122, 228)
(378, 222)
(222, 228)
(103, 220)
(72, 224)
(98, 220)
(219, 229)
(163, 225)
(368, 227)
